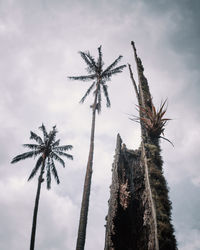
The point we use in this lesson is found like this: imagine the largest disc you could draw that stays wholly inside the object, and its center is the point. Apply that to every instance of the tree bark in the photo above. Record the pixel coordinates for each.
(151, 201)
(134, 84)
(144, 97)
(87, 184)
(33, 232)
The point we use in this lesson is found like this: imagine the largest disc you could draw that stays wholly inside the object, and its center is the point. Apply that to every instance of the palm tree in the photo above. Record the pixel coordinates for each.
(99, 77)
(48, 150)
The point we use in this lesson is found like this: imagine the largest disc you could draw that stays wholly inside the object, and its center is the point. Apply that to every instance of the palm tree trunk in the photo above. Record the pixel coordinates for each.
(40, 180)
(142, 101)
(87, 184)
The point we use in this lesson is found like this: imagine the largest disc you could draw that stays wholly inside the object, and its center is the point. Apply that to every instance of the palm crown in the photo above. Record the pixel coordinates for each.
(48, 150)
(98, 76)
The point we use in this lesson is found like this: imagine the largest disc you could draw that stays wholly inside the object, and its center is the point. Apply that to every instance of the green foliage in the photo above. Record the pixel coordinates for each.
(48, 150)
(160, 191)
(153, 120)
(98, 76)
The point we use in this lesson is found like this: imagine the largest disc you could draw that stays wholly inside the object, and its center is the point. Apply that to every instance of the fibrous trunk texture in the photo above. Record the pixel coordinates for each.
(125, 215)
(130, 222)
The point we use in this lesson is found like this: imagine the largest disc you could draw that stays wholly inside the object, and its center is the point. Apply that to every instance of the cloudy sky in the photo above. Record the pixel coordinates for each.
(39, 45)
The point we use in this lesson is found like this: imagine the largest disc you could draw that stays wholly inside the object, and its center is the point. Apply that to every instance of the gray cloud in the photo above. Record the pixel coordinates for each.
(39, 45)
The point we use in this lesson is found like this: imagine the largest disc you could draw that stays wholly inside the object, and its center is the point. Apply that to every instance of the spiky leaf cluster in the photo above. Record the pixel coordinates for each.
(98, 75)
(48, 150)
(154, 120)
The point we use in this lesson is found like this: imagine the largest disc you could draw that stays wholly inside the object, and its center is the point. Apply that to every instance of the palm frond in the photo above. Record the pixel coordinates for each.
(83, 78)
(37, 166)
(114, 71)
(93, 68)
(105, 90)
(51, 136)
(87, 93)
(57, 158)
(63, 148)
(35, 137)
(56, 143)
(25, 156)
(54, 171)
(90, 63)
(111, 66)
(45, 134)
(65, 154)
(32, 146)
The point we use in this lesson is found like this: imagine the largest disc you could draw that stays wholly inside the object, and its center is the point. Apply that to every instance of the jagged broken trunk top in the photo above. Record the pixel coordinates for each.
(130, 223)
(125, 215)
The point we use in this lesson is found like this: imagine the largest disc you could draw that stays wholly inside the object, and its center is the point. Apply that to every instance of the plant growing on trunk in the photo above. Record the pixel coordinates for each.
(99, 78)
(47, 150)
(153, 120)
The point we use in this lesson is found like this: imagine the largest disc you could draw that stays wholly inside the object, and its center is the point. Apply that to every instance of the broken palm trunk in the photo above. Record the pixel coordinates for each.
(139, 216)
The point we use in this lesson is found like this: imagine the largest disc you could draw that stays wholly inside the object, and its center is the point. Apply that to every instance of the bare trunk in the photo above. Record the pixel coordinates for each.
(144, 101)
(32, 244)
(87, 185)
(134, 84)
(148, 187)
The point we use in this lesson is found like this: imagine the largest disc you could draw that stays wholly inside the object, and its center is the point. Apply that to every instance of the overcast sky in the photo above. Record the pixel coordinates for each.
(39, 45)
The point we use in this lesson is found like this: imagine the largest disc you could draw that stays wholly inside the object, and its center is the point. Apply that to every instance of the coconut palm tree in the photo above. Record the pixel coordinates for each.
(48, 151)
(99, 77)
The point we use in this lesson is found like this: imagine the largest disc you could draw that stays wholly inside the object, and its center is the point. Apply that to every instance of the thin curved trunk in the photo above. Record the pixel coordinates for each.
(134, 84)
(33, 232)
(148, 187)
(87, 185)
(142, 102)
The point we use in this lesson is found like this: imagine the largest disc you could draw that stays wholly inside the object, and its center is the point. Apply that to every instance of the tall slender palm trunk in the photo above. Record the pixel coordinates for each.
(87, 184)
(32, 243)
